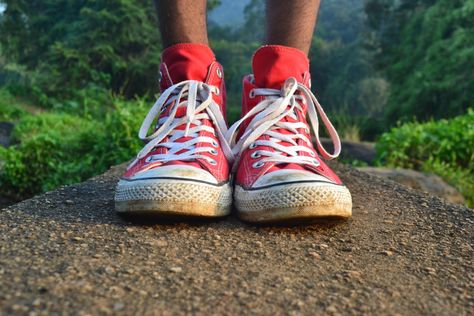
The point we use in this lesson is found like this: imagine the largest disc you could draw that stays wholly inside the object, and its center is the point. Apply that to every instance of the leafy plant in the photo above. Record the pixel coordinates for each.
(445, 147)
(71, 45)
(9, 109)
(426, 50)
(54, 149)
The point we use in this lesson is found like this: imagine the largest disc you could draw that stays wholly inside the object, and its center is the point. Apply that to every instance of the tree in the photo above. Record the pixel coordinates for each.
(69, 45)
(426, 50)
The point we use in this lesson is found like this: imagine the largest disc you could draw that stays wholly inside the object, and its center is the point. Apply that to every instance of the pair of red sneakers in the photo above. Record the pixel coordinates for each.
(194, 165)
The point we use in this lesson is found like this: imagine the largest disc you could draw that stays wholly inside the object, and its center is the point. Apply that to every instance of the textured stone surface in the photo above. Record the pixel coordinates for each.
(425, 182)
(402, 253)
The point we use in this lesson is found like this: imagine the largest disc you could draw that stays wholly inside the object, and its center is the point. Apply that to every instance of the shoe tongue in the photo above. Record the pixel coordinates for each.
(273, 64)
(188, 61)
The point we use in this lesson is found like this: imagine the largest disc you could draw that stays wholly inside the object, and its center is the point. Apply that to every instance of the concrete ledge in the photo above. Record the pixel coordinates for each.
(403, 252)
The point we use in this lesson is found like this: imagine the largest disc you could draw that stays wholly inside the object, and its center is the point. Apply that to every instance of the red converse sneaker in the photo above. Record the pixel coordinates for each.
(279, 174)
(183, 169)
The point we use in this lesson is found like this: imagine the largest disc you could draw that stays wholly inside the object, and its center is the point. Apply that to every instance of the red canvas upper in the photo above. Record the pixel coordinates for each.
(190, 62)
(272, 65)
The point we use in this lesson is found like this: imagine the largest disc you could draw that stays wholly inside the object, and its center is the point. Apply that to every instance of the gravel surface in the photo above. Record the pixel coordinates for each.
(402, 253)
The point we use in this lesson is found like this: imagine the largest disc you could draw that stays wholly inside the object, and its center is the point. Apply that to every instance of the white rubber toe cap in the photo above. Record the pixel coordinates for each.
(176, 172)
(287, 176)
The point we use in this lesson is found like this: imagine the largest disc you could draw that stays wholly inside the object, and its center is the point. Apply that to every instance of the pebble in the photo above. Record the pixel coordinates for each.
(351, 274)
(176, 269)
(109, 270)
(286, 279)
(314, 255)
(387, 253)
(161, 243)
(429, 270)
(69, 202)
(17, 308)
(299, 303)
(118, 306)
(331, 309)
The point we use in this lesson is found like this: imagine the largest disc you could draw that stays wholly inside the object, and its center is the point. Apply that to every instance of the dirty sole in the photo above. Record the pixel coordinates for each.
(173, 198)
(293, 202)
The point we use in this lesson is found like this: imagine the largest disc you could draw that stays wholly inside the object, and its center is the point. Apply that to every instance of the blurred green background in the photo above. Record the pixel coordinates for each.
(78, 76)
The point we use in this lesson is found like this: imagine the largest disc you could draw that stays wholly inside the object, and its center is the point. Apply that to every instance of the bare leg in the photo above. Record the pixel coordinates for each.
(291, 23)
(182, 21)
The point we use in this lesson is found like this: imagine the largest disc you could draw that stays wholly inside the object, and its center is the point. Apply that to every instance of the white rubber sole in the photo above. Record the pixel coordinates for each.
(293, 202)
(173, 198)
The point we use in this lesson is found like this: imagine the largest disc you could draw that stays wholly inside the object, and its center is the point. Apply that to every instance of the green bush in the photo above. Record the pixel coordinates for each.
(444, 147)
(54, 149)
(425, 49)
(9, 109)
(67, 46)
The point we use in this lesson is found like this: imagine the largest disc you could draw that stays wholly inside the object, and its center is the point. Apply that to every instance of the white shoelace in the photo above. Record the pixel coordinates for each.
(199, 106)
(267, 120)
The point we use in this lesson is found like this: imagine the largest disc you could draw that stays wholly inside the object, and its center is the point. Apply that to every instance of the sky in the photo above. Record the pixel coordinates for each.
(229, 13)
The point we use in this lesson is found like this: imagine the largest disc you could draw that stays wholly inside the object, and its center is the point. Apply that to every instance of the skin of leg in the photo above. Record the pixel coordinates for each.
(291, 23)
(182, 21)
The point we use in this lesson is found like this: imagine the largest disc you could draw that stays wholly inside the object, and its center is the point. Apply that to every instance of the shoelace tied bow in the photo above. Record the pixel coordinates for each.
(196, 98)
(268, 119)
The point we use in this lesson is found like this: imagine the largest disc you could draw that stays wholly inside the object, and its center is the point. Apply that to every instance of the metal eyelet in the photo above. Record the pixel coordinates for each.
(258, 164)
(252, 146)
(316, 162)
(252, 94)
(213, 152)
(307, 130)
(215, 144)
(217, 91)
(219, 72)
(255, 154)
(212, 162)
(312, 154)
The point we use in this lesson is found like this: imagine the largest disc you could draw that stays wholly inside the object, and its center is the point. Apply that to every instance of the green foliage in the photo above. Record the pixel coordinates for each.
(426, 49)
(47, 155)
(70, 45)
(343, 74)
(9, 109)
(81, 58)
(54, 149)
(445, 147)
